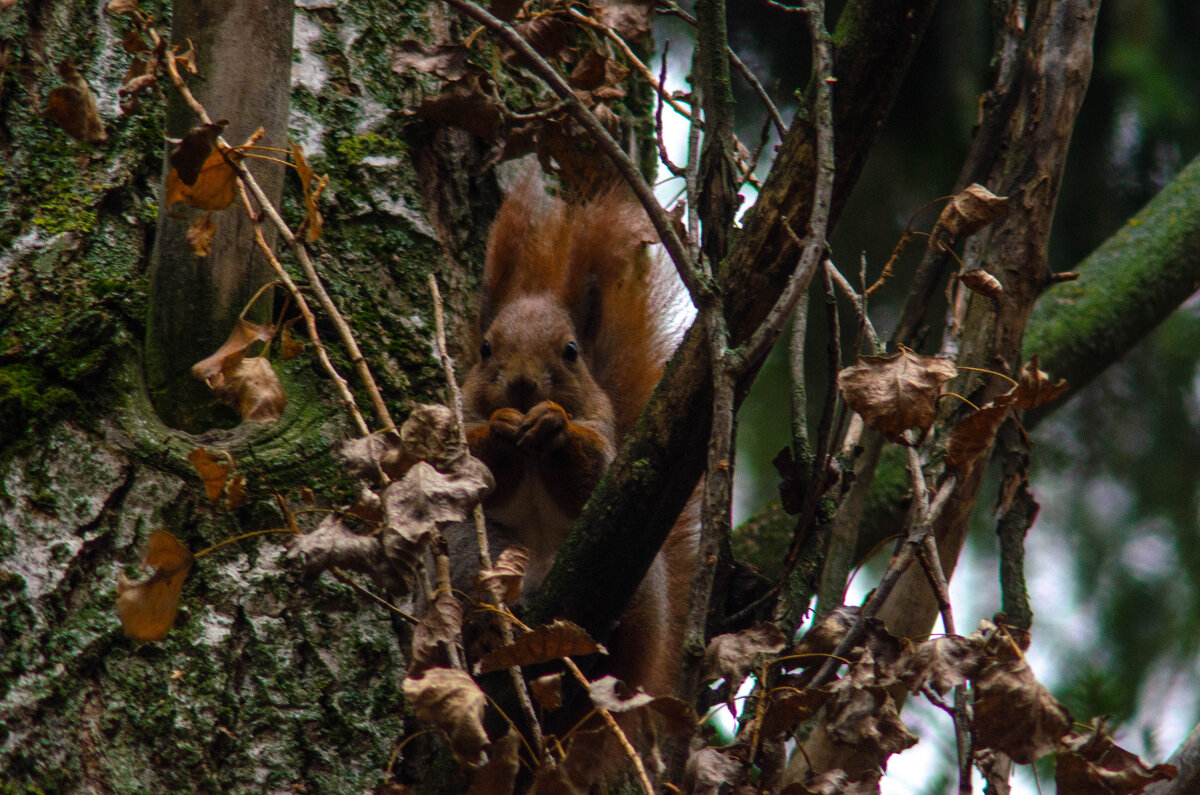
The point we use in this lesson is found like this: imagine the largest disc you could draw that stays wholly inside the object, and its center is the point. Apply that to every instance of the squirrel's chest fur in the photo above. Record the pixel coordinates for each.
(533, 517)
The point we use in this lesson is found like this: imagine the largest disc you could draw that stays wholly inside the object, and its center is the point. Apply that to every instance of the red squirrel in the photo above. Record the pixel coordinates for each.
(573, 332)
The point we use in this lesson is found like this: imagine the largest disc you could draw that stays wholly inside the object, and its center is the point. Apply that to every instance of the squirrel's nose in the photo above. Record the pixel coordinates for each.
(522, 393)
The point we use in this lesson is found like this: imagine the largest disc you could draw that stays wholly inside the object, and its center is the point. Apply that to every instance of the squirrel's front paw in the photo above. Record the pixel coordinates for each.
(544, 423)
(506, 424)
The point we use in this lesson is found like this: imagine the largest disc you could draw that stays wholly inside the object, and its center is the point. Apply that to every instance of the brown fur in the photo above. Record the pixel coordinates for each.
(548, 426)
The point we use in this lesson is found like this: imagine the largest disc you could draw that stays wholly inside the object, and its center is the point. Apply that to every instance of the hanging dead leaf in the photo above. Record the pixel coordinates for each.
(895, 393)
(1089, 762)
(865, 717)
(611, 694)
(431, 435)
(548, 691)
(252, 389)
(542, 644)
(973, 435)
(787, 708)
(134, 42)
(969, 211)
(289, 346)
(73, 107)
(312, 189)
(944, 663)
(630, 20)
(1015, 714)
(424, 495)
(503, 581)
(450, 700)
(185, 59)
(825, 634)
(200, 234)
(214, 470)
(147, 609)
(243, 335)
(193, 150)
(141, 75)
(468, 103)
(365, 456)
(332, 544)
(214, 189)
(235, 493)
(439, 628)
(734, 655)
(122, 7)
(710, 771)
(595, 70)
(1034, 387)
(546, 33)
(835, 782)
(980, 281)
(499, 775)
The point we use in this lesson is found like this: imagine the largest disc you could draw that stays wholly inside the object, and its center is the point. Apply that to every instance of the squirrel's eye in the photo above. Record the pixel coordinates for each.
(485, 350)
(571, 352)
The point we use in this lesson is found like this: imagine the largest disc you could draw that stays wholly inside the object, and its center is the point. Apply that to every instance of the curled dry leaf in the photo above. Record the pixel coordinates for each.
(312, 189)
(193, 150)
(503, 581)
(430, 434)
(548, 691)
(215, 187)
(499, 775)
(973, 435)
(1090, 762)
(438, 628)
(824, 635)
(611, 694)
(200, 234)
(980, 281)
(450, 699)
(122, 6)
(1015, 714)
(735, 654)
(366, 455)
(73, 107)
(252, 389)
(835, 782)
(969, 211)
(235, 493)
(214, 470)
(425, 496)
(944, 662)
(1034, 387)
(447, 61)
(629, 19)
(895, 393)
(865, 717)
(709, 771)
(595, 70)
(243, 335)
(147, 609)
(469, 103)
(788, 707)
(332, 544)
(542, 644)
(289, 346)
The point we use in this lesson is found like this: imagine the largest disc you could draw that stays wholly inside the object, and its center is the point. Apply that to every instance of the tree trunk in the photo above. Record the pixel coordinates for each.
(267, 683)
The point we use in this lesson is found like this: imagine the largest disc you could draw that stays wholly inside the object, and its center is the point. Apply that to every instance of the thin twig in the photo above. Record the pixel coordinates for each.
(626, 746)
(700, 292)
(310, 321)
(860, 306)
(663, 155)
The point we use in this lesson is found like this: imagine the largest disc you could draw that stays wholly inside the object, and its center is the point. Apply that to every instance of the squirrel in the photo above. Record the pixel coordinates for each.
(573, 331)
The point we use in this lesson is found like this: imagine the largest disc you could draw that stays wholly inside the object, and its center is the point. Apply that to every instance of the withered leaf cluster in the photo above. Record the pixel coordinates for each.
(461, 85)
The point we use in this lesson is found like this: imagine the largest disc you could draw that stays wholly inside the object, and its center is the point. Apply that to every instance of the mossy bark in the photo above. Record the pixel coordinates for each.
(267, 683)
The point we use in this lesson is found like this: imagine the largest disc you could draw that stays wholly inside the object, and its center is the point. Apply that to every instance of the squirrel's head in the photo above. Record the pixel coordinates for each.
(531, 352)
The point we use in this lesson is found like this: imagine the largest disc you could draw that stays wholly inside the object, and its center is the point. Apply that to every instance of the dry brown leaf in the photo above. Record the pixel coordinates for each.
(825, 634)
(413, 505)
(235, 492)
(200, 234)
(213, 468)
(611, 694)
(252, 389)
(194, 149)
(548, 691)
(980, 281)
(73, 107)
(503, 581)
(450, 700)
(438, 628)
(835, 782)
(969, 211)
(215, 187)
(185, 60)
(1090, 762)
(134, 42)
(973, 435)
(468, 103)
(595, 70)
(147, 609)
(630, 19)
(312, 189)
(430, 434)
(787, 707)
(122, 6)
(1015, 714)
(944, 662)
(1034, 387)
(542, 644)
(865, 717)
(710, 771)
(734, 655)
(243, 335)
(332, 544)
(289, 346)
(447, 61)
(499, 775)
(895, 393)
